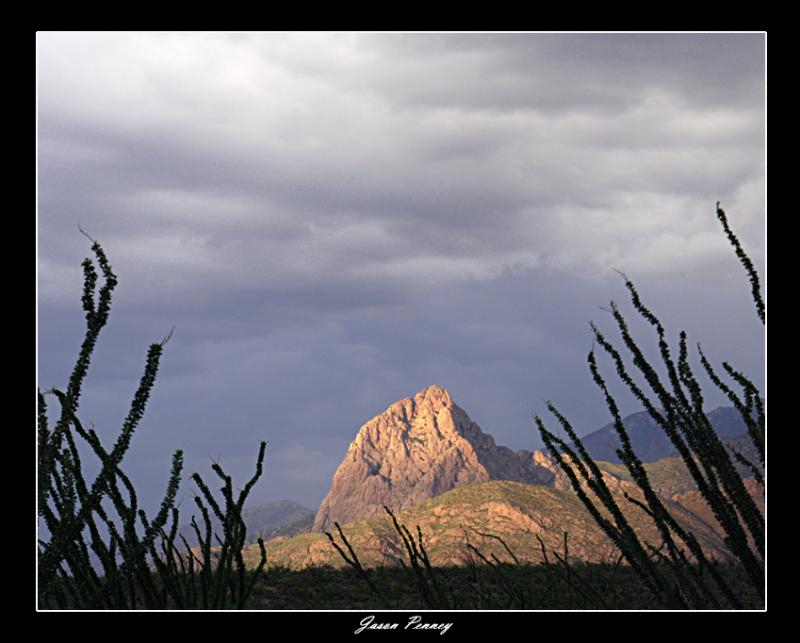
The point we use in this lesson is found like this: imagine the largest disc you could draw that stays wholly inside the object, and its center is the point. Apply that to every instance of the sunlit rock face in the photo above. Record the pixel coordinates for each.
(418, 448)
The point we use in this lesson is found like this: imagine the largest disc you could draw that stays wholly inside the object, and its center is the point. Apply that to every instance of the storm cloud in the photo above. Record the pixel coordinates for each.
(335, 221)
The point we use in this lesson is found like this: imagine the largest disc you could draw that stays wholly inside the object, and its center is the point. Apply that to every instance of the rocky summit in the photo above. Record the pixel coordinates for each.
(420, 447)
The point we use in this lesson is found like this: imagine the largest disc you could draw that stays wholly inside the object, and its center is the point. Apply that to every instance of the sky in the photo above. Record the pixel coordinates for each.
(334, 221)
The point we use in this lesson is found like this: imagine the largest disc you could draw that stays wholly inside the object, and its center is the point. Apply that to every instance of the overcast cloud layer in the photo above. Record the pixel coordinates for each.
(335, 221)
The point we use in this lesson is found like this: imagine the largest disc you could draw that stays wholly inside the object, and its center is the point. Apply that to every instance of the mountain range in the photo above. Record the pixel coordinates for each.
(429, 462)
(282, 518)
(649, 440)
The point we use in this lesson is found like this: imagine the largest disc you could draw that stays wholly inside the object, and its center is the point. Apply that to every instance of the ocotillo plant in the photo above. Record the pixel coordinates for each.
(677, 571)
(140, 565)
(419, 569)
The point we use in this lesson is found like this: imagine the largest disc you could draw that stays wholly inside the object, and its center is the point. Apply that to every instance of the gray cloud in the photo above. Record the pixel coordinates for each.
(335, 221)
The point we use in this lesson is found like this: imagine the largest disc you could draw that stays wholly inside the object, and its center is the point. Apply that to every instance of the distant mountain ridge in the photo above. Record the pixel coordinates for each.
(284, 517)
(649, 440)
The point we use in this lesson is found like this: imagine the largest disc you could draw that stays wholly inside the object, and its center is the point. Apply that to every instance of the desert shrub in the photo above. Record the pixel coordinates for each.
(487, 582)
(676, 570)
(103, 552)
(434, 592)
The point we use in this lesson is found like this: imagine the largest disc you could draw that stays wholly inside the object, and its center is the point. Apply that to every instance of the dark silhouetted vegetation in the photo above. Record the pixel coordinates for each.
(676, 570)
(479, 587)
(482, 582)
(103, 551)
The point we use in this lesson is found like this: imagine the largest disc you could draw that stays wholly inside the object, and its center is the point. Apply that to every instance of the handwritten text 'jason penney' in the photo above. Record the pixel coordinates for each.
(414, 623)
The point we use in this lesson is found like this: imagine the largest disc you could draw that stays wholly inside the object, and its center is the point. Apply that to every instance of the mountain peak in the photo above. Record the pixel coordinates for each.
(419, 447)
(434, 398)
(434, 394)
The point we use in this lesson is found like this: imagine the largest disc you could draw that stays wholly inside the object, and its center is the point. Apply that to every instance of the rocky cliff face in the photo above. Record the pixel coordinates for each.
(420, 447)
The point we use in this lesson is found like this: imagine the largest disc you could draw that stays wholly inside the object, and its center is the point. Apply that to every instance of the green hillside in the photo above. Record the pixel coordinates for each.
(477, 514)
(671, 476)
